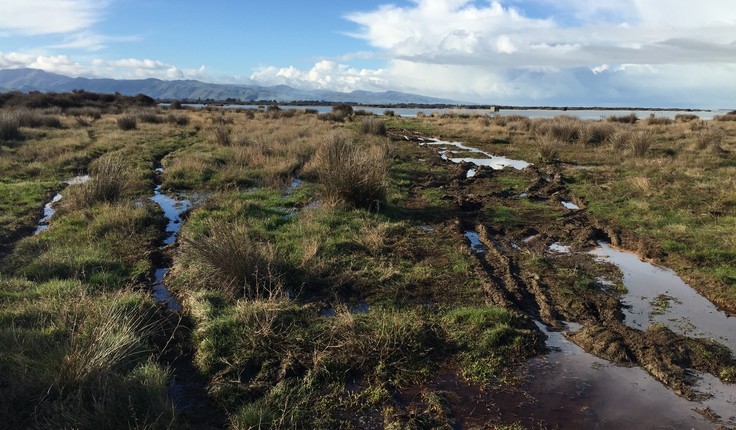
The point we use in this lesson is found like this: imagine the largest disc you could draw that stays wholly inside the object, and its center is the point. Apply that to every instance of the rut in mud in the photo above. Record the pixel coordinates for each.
(187, 388)
(542, 268)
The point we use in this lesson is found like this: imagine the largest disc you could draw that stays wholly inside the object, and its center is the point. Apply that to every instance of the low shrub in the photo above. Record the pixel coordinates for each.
(352, 173)
(150, 117)
(728, 117)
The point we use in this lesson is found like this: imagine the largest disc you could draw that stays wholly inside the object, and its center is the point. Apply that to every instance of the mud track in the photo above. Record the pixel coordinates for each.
(521, 273)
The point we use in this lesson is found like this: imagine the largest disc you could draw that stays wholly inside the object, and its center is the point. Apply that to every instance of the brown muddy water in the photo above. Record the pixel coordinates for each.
(657, 295)
(571, 389)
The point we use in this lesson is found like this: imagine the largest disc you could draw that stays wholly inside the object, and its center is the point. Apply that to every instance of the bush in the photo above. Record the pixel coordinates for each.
(389, 112)
(232, 259)
(373, 126)
(351, 173)
(127, 122)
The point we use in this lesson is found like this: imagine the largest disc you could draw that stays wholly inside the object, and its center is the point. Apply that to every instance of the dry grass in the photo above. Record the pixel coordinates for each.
(640, 142)
(110, 178)
(710, 137)
(373, 126)
(548, 148)
(231, 259)
(351, 172)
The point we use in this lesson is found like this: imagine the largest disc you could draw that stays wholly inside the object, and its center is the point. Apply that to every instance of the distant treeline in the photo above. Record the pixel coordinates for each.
(211, 102)
(74, 99)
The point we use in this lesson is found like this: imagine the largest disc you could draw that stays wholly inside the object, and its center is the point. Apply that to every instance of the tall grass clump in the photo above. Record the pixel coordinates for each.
(220, 134)
(624, 119)
(374, 126)
(710, 137)
(127, 122)
(9, 126)
(352, 173)
(565, 129)
(595, 134)
(109, 180)
(658, 120)
(548, 148)
(229, 257)
(640, 143)
(686, 117)
(620, 140)
(728, 117)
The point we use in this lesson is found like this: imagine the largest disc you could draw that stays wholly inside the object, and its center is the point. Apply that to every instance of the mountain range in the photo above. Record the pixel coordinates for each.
(26, 80)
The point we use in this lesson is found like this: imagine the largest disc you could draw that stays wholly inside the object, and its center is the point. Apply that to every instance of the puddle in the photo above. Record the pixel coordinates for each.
(295, 183)
(570, 205)
(529, 238)
(493, 161)
(471, 173)
(48, 208)
(173, 209)
(162, 294)
(425, 227)
(658, 295)
(569, 388)
(559, 248)
(523, 195)
(475, 244)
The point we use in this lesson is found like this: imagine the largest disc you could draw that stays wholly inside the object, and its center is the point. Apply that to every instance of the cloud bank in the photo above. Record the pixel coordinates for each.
(606, 52)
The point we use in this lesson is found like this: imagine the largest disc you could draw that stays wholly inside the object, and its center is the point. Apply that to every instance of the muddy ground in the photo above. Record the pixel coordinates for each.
(516, 226)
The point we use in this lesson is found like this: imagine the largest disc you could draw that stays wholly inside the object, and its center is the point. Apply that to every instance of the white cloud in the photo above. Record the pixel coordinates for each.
(325, 74)
(127, 68)
(33, 17)
(494, 52)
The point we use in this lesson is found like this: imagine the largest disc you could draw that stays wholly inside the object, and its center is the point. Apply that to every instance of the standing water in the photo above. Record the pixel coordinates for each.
(658, 295)
(484, 159)
(173, 209)
(48, 208)
(570, 388)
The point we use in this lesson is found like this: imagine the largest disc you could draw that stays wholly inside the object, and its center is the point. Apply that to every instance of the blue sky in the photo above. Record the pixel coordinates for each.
(523, 52)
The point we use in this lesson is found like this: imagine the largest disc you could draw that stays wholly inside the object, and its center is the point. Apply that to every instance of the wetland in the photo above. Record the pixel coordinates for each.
(287, 268)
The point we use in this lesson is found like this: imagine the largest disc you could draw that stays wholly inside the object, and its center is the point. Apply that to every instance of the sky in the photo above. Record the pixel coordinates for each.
(651, 53)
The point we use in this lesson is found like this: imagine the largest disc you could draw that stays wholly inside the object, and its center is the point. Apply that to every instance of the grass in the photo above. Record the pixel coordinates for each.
(275, 279)
(352, 173)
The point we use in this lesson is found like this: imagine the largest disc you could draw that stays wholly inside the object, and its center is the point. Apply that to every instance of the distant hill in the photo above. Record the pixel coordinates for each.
(37, 80)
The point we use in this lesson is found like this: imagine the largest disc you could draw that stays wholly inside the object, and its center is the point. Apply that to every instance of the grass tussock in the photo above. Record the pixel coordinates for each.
(110, 178)
(9, 126)
(220, 134)
(127, 122)
(658, 120)
(373, 126)
(624, 119)
(710, 137)
(351, 172)
(232, 259)
(548, 148)
(595, 133)
(640, 142)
